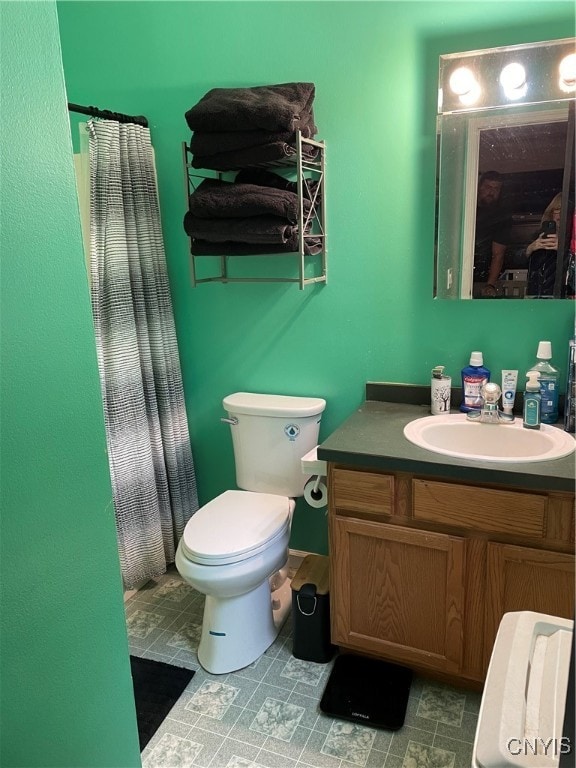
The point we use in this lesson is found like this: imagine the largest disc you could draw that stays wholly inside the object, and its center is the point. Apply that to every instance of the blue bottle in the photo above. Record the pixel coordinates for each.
(549, 383)
(474, 376)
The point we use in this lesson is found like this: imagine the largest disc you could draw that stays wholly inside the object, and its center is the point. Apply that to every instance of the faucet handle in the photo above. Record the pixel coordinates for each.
(491, 393)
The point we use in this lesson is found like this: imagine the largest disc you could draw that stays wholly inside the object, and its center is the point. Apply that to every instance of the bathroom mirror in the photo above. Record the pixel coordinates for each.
(505, 154)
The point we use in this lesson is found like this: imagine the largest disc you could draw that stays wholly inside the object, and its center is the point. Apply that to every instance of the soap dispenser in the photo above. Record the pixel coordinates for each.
(532, 400)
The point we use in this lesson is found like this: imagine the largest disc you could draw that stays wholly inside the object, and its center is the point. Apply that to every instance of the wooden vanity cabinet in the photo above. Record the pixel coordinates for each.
(422, 570)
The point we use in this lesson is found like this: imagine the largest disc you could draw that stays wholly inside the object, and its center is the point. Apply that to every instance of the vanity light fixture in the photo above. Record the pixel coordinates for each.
(513, 81)
(508, 76)
(567, 71)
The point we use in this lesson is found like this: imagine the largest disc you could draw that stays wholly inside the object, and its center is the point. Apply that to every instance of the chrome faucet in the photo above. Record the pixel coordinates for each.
(490, 413)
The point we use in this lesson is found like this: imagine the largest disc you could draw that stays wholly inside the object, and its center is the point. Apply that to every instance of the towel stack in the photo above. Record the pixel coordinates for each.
(242, 218)
(238, 129)
(241, 127)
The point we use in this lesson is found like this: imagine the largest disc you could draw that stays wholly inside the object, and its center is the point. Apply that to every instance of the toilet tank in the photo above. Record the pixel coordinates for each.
(270, 434)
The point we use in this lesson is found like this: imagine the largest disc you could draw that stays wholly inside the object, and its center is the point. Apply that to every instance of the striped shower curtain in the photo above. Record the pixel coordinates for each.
(151, 465)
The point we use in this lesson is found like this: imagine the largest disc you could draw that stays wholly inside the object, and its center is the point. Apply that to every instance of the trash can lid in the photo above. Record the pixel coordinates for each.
(314, 569)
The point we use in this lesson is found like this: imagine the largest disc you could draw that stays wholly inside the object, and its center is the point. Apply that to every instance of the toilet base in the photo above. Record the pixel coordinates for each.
(237, 630)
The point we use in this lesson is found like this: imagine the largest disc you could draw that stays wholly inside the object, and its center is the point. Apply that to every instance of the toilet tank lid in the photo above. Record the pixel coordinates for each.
(250, 403)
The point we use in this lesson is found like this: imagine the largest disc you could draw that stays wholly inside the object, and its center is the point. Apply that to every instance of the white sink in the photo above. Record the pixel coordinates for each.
(455, 435)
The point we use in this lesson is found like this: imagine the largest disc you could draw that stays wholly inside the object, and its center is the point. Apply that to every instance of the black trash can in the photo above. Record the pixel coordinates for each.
(311, 611)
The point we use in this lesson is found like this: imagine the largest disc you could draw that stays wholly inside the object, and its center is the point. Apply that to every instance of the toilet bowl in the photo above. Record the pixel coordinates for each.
(230, 549)
(234, 549)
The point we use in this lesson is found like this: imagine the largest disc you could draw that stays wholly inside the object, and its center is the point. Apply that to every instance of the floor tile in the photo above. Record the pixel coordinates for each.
(172, 751)
(462, 750)
(442, 704)
(213, 699)
(349, 741)
(302, 671)
(277, 718)
(425, 756)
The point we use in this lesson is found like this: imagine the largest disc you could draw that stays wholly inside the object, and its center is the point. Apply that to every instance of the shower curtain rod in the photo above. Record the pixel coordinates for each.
(107, 115)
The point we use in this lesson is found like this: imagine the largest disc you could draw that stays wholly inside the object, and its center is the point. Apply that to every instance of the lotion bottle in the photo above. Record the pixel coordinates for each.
(474, 376)
(549, 381)
(532, 400)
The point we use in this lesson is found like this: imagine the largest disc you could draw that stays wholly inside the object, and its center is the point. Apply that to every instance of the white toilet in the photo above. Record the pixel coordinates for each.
(235, 548)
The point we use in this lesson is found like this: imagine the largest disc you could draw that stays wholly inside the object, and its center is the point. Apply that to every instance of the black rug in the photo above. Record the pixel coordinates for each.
(157, 687)
(367, 691)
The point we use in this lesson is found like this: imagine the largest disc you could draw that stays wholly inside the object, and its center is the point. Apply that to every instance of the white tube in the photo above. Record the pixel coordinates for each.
(509, 384)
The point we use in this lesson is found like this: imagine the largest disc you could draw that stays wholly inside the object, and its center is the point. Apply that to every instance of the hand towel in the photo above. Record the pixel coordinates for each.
(274, 152)
(222, 200)
(281, 107)
(253, 229)
(312, 246)
(214, 142)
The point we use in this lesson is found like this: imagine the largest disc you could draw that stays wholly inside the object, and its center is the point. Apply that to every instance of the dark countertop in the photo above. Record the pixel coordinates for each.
(373, 437)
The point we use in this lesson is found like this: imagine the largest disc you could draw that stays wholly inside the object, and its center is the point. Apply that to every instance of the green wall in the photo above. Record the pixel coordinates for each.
(65, 677)
(375, 68)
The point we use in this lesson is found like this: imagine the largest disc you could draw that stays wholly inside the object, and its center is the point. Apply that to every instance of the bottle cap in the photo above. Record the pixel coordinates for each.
(477, 360)
(533, 385)
(544, 350)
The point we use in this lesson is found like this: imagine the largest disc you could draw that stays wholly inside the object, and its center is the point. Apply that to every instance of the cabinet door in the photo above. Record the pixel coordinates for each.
(524, 579)
(397, 592)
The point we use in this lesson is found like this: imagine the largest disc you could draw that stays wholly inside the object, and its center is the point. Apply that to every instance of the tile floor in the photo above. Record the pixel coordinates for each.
(267, 715)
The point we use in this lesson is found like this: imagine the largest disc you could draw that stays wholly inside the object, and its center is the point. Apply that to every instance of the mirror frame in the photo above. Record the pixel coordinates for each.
(458, 135)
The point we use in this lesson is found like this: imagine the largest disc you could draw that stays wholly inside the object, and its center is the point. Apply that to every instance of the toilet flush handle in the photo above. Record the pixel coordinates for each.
(231, 420)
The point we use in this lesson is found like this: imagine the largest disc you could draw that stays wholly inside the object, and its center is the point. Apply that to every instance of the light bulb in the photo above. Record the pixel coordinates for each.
(567, 71)
(462, 81)
(513, 81)
(513, 76)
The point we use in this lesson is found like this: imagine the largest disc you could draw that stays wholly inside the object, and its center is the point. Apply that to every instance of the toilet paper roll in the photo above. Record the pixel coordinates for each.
(318, 498)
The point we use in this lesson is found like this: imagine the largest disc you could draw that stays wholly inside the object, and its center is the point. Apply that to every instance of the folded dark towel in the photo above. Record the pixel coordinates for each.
(312, 246)
(281, 107)
(223, 200)
(253, 229)
(214, 142)
(264, 178)
(244, 158)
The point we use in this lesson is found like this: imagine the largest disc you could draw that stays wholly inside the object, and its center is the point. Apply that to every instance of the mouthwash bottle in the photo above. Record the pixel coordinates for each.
(549, 383)
(474, 376)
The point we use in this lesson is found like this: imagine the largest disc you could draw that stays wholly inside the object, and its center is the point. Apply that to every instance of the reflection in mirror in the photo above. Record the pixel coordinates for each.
(505, 184)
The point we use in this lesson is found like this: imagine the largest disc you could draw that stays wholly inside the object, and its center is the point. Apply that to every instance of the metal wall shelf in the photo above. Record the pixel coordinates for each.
(311, 225)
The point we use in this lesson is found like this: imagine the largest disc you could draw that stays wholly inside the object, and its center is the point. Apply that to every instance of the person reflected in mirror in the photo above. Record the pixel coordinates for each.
(492, 237)
(542, 253)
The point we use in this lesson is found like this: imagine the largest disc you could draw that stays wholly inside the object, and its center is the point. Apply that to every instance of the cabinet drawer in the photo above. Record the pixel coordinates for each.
(481, 509)
(365, 492)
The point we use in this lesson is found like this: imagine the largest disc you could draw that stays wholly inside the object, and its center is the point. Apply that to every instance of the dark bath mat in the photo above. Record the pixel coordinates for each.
(157, 687)
(367, 691)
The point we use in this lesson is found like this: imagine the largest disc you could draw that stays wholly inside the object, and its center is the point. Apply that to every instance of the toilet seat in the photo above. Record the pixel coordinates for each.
(235, 526)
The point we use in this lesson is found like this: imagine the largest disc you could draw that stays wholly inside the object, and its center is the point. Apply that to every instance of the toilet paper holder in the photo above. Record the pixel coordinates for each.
(315, 492)
(312, 465)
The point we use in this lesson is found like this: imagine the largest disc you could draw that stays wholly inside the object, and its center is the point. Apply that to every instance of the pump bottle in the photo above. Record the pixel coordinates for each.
(549, 381)
(532, 399)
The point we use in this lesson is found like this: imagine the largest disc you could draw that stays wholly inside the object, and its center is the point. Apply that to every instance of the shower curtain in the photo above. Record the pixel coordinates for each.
(151, 465)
